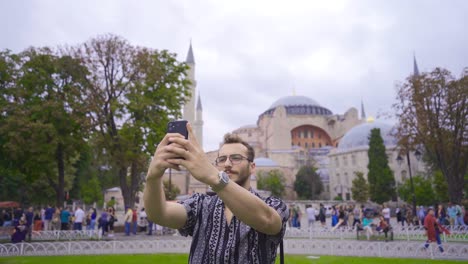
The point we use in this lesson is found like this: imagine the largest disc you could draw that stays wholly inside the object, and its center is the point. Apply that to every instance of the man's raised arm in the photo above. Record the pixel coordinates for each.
(160, 211)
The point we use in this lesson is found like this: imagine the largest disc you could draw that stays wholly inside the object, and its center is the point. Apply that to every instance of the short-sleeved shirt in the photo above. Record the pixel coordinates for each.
(216, 242)
(64, 216)
(386, 213)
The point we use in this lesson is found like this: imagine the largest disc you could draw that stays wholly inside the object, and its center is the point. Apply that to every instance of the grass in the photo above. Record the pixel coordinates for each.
(183, 259)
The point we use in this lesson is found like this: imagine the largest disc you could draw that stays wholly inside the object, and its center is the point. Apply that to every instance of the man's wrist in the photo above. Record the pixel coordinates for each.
(153, 176)
(223, 180)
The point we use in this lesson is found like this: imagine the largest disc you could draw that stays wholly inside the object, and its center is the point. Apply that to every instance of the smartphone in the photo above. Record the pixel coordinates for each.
(179, 126)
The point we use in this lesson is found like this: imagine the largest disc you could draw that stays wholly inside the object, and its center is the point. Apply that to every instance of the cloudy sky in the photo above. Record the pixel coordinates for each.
(250, 53)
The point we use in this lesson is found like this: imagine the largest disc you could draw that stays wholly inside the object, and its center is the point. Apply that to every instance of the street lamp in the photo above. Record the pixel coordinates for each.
(399, 159)
(170, 180)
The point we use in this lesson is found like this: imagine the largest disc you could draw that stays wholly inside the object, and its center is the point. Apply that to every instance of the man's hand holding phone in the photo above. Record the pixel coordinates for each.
(159, 163)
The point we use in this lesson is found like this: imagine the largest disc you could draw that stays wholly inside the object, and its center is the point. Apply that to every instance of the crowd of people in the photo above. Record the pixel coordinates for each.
(49, 218)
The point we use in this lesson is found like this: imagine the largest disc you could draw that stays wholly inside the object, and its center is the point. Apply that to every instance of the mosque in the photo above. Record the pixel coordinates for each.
(295, 131)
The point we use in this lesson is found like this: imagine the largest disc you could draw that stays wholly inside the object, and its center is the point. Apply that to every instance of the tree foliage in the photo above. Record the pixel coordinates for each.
(308, 184)
(440, 187)
(132, 93)
(432, 110)
(171, 193)
(81, 119)
(40, 104)
(272, 181)
(380, 177)
(360, 188)
(422, 188)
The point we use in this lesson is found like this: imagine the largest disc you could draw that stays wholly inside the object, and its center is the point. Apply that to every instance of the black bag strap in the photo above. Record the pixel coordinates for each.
(281, 252)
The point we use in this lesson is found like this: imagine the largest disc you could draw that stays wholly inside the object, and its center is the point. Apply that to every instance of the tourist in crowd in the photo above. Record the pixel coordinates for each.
(103, 222)
(322, 214)
(134, 220)
(433, 229)
(334, 216)
(310, 215)
(383, 226)
(91, 219)
(38, 221)
(65, 219)
(112, 220)
(29, 217)
(460, 210)
(452, 214)
(421, 215)
(128, 221)
(441, 215)
(386, 213)
(367, 225)
(79, 217)
(142, 220)
(56, 223)
(19, 232)
(48, 215)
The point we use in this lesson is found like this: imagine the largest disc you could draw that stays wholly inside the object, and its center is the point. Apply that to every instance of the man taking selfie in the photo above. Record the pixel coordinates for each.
(235, 225)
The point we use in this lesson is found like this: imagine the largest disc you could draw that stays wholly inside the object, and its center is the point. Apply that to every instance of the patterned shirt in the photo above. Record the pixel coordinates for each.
(215, 242)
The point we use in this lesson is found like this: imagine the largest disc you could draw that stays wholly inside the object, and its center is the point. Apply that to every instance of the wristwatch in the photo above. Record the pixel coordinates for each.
(223, 181)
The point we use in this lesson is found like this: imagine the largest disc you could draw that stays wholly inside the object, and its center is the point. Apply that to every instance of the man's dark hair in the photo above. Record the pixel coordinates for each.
(233, 139)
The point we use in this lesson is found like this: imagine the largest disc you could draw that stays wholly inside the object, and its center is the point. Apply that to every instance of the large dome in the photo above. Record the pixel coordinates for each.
(358, 136)
(294, 100)
(299, 105)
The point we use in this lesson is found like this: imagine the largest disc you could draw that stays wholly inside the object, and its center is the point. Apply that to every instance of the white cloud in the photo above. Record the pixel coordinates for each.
(250, 53)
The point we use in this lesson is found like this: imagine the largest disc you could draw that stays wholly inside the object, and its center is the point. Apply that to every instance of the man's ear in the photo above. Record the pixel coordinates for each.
(252, 167)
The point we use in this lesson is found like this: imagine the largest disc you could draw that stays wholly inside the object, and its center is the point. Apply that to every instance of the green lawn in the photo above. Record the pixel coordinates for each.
(182, 259)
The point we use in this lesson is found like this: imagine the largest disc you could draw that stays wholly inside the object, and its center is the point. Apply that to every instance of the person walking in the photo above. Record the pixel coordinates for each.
(433, 230)
(128, 220)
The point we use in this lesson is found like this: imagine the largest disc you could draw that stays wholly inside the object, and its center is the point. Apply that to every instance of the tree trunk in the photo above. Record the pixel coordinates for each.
(61, 176)
(455, 186)
(129, 199)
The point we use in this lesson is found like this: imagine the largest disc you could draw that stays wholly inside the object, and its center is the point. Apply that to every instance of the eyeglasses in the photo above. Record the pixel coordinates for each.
(234, 159)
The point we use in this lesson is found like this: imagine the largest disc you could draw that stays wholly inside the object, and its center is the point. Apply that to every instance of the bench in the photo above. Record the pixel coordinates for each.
(376, 235)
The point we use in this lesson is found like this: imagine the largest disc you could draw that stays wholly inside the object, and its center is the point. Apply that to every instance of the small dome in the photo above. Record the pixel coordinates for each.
(358, 136)
(265, 162)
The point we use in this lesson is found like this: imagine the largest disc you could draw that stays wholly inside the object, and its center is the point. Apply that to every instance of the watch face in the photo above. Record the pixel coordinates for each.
(224, 177)
(223, 181)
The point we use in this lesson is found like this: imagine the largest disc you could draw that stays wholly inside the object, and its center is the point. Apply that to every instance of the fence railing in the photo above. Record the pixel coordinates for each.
(408, 233)
(400, 249)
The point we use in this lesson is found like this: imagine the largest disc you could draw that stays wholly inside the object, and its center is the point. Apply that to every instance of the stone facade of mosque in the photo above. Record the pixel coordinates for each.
(296, 131)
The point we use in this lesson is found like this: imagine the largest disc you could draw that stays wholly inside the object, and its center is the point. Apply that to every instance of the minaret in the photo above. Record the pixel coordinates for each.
(189, 107)
(190, 113)
(198, 124)
(415, 66)
(363, 114)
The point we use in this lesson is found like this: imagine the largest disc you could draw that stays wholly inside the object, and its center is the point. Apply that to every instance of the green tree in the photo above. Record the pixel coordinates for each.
(272, 181)
(49, 123)
(308, 184)
(360, 188)
(432, 110)
(422, 188)
(380, 177)
(171, 194)
(440, 187)
(133, 92)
